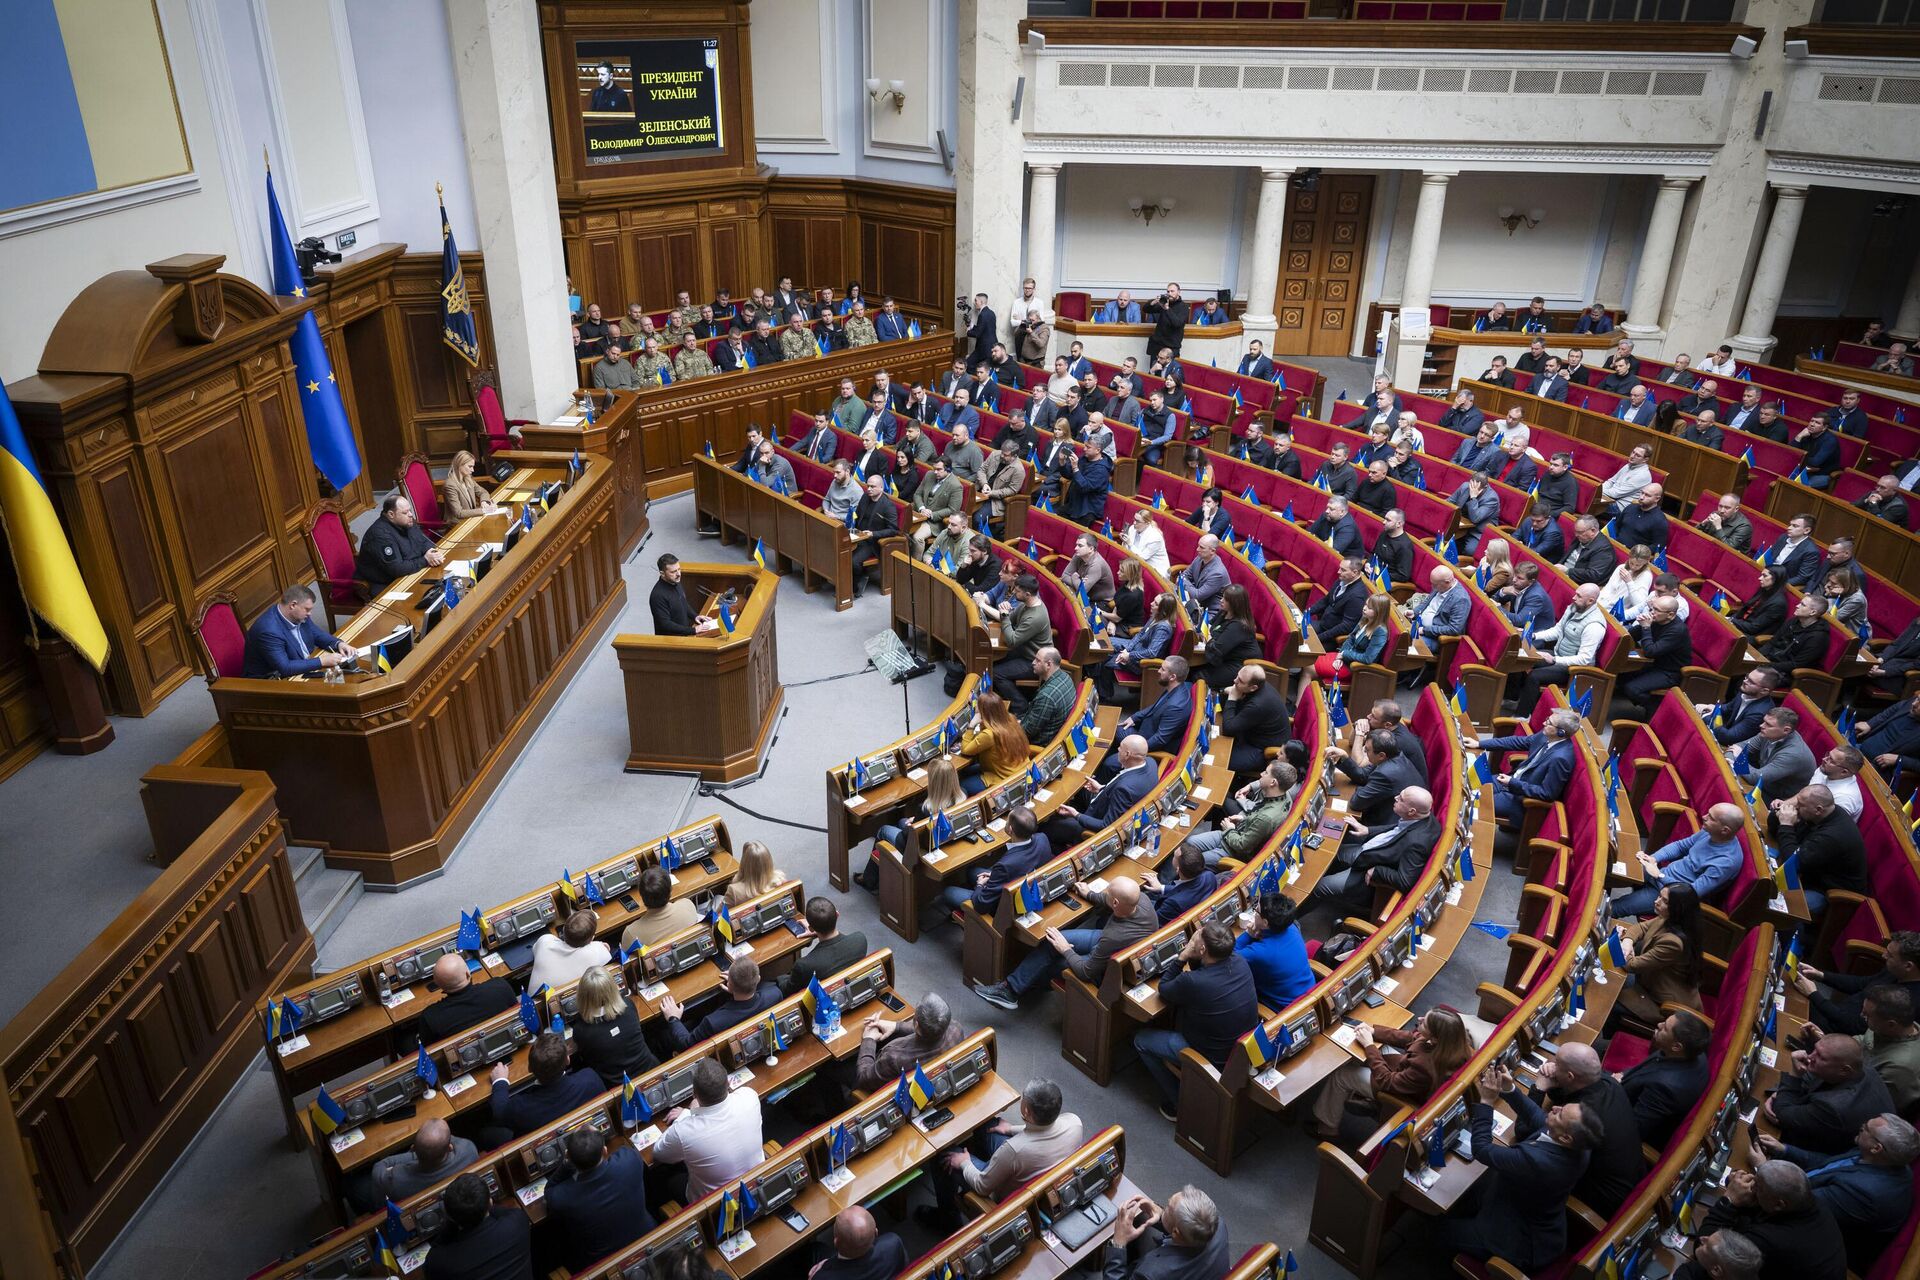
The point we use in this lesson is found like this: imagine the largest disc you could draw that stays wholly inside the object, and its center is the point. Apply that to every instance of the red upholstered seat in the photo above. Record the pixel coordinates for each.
(331, 548)
(496, 429)
(416, 481)
(1073, 305)
(223, 641)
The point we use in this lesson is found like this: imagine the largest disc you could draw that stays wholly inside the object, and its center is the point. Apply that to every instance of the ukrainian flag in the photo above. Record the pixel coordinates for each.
(759, 553)
(327, 1114)
(723, 923)
(329, 434)
(42, 560)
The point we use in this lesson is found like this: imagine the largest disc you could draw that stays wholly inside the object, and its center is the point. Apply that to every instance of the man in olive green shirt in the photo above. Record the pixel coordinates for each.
(1892, 1042)
(848, 409)
(859, 329)
(1242, 835)
(690, 361)
(939, 496)
(612, 372)
(953, 541)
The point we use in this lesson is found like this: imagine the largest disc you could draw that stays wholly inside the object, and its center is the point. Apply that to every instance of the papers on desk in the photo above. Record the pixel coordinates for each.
(1453, 895)
(413, 1259)
(998, 824)
(1078, 764)
(854, 802)
(459, 568)
(646, 1137)
(1270, 1079)
(1386, 986)
(393, 597)
(918, 775)
(837, 1179)
(1202, 793)
(1336, 804)
(1768, 1056)
(653, 991)
(1620, 868)
(292, 1045)
(1043, 795)
(733, 1246)
(1422, 1176)
(351, 1138)
(398, 998)
(1028, 920)
(1342, 1035)
(1139, 992)
(933, 855)
(1778, 903)
(458, 1085)
(1501, 1123)
(571, 420)
(1096, 887)
(535, 1190)
(737, 1079)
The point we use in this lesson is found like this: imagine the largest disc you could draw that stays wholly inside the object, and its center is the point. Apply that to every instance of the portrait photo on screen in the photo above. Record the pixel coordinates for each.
(645, 99)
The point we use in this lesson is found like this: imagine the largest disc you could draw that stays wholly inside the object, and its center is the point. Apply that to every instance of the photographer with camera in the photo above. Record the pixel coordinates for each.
(1169, 313)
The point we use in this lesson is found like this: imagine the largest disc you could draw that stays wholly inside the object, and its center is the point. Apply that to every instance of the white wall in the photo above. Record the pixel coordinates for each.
(1559, 259)
(811, 62)
(1103, 246)
(413, 122)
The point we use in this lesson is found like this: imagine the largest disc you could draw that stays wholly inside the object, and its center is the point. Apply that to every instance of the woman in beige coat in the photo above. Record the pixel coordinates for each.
(462, 493)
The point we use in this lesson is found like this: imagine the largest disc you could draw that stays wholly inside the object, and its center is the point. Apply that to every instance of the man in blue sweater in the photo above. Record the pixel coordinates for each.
(1707, 860)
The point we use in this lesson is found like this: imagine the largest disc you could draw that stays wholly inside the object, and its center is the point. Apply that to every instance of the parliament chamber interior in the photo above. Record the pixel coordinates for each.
(1165, 639)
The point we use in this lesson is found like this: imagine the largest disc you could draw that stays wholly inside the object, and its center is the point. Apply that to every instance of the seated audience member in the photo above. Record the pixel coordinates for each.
(1891, 740)
(1642, 522)
(994, 742)
(1393, 548)
(1770, 1217)
(395, 545)
(831, 950)
(1004, 1157)
(1206, 578)
(1047, 712)
(889, 1048)
(1868, 1190)
(1706, 862)
(561, 957)
(1762, 612)
(1478, 452)
(1366, 643)
(1084, 952)
(746, 995)
(1521, 1216)
(1242, 834)
(1704, 431)
(1401, 1062)
(1498, 373)
(1626, 484)
(1235, 640)
(1478, 505)
(1739, 718)
(1254, 714)
(1447, 605)
(1835, 1001)
(1664, 1085)
(1154, 640)
(285, 641)
(1776, 759)
(665, 914)
(1337, 528)
(1210, 990)
(1826, 842)
(1164, 722)
(1728, 524)
(1631, 583)
(1526, 602)
(436, 1155)
(756, 874)
(607, 1037)
(463, 1002)
(1392, 853)
(463, 496)
(1193, 883)
(1285, 460)
(717, 1138)
(1105, 801)
(1666, 644)
(1573, 1076)
(1336, 612)
(1557, 490)
(1026, 851)
(1540, 534)
(1573, 641)
(1376, 492)
(597, 1199)
(1822, 446)
(1892, 1043)
(1464, 418)
(482, 1240)
(1185, 1241)
(1591, 558)
(1543, 775)
(1663, 956)
(1275, 951)
(1830, 1093)
(861, 1251)
(1885, 500)
(554, 1092)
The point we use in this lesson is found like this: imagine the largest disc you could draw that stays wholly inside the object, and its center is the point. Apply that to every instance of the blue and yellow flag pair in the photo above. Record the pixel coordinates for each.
(941, 829)
(839, 1145)
(469, 937)
(816, 999)
(634, 1111)
(914, 1092)
(1261, 1047)
(283, 1019)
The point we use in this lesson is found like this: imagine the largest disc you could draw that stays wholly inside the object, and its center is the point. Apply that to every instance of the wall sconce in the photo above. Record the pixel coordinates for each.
(896, 91)
(1148, 210)
(1511, 217)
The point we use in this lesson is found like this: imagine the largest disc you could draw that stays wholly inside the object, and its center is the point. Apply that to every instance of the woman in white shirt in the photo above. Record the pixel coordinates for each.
(1631, 582)
(1146, 543)
(560, 958)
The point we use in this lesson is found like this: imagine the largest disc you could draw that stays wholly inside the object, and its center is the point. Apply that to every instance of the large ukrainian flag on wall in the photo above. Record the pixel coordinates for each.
(49, 577)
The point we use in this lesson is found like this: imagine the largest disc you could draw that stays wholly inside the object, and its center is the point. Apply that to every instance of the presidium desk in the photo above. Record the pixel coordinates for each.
(386, 772)
(706, 704)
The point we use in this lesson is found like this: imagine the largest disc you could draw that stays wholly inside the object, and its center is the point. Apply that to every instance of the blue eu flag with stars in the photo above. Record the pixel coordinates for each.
(329, 434)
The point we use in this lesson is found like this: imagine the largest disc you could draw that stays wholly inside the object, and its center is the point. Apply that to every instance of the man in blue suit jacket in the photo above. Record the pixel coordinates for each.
(1192, 885)
(1550, 383)
(1869, 1190)
(819, 443)
(1121, 310)
(1163, 723)
(1522, 1216)
(1026, 852)
(1543, 775)
(1255, 364)
(597, 1199)
(1531, 605)
(1739, 717)
(1636, 408)
(284, 642)
(1794, 555)
(1382, 404)
(1136, 776)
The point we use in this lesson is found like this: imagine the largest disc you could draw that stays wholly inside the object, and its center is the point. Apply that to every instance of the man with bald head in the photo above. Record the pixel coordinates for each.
(861, 1251)
(1774, 1209)
(1255, 716)
(1130, 918)
(1574, 1076)
(1643, 521)
(1105, 802)
(1707, 861)
(435, 1156)
(1392, 857)
(1206, 577)
(1832, 1091)
(463, 1002)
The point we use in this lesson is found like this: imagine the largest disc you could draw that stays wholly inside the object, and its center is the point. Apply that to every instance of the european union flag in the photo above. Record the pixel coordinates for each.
(1268, 880)
(1437, 1146)
(1482, 768)
(942, 829)
(1256, 554)
(816, 999)
(1289, 1266)
(468, 939)
(1467, 871)
(859, 775)
(1031, 899)
(1619, 609)
(634, 1110)
(529, 1015)
(1337, 709)
(1742, 761)
(1583, 701)
(839, 1146)
(749, 1203)
(329, 434)
(424, 1068)
(395, 1226)
(913, 328)
(670, 855)
(591, 888)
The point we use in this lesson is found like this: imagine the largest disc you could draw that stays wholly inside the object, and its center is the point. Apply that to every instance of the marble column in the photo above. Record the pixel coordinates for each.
(1907, 322)
(1656, 258)
(1263, 280)
(1423, 248)
(499, 75)
(1755, 338)
(1042, 202)
(988, 154)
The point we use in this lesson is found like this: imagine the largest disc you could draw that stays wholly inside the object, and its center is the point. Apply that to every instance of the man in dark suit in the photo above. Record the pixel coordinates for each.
(1545, 772)
(1795, 555)
(1574, 1075)
(984, 332)
(1831, 1092)
(1336, 613)
(877, 516)
(1533, 361)
(1255, 364)
(746, 996)
(1521, 1217)
(1464, 417)
(1337, 528)
(483, 1241)
(284, 641)
(554, 1091)
(1027, 851)
(1706, 396)
(1868, 1190)
(1666, 644)
(1185, 1241)
(1211, 993)
(1515, 470)
(395, 545)
(1382, 404)
(819, 443)
(1169, 314)
(1551, 382)
(1498, 373)
(860, 1250)
(1592, 557)
(1557, 489)
(1889, 674)
(1373, 805)
(1285, 460)
(597, 1199)
(1636, 408)
(1831, 853)
(732, 354)
(831, 951)
(1847, 417)
(1393, 855)
(1540, 534)
(1773, 1210)
(1665, 1084)
(1739, 717)
(1478, 452)
(463, 1002)
(1255, 716)
(1162, 723)
(1106, 802)
(1529, 605)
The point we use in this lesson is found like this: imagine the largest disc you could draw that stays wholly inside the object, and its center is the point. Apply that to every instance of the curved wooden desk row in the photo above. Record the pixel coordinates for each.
(924, 597)
(795, 535)
(518, 1170)
(1295, 389)
(614, 432)
(1549, 971)
(1402, 949)
(387, 772)
(1097, 1023)
(376, 1001)
(689, 966)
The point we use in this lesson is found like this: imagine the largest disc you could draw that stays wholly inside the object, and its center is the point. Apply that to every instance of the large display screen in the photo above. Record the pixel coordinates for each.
(646, 99)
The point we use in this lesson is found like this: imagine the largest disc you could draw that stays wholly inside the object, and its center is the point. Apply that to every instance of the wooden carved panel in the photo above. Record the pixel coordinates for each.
(216, 969)
(162, 1043)
(124, 505)
(86, 1106)
(285, 456)
(210, 481)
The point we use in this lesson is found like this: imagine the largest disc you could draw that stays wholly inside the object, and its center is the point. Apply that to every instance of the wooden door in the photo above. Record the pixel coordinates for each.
(1322, 254)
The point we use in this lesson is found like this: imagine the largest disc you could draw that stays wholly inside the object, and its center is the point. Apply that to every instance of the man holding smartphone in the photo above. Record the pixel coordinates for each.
(1184, 1241)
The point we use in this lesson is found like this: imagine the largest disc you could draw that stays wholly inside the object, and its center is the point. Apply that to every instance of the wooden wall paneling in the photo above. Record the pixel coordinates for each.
(433, 377)
(112, 1069)
(25, 722)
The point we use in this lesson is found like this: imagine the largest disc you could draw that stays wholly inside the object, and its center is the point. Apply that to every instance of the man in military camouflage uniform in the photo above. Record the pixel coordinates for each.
(684, 316)
(691, 361)
(649, 364)
(796, 343)
(859, 329)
